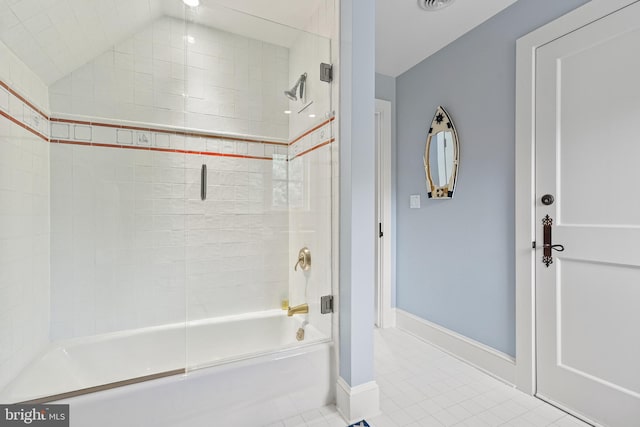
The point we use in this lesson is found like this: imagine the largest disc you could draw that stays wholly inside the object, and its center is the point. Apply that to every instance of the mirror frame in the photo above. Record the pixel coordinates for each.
(441, 123)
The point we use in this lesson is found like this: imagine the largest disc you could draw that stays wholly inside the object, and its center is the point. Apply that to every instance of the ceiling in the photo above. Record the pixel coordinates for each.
(55, 37)
(406, 34)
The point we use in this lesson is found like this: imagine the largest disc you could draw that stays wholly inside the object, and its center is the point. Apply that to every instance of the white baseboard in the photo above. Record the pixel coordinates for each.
(359, 402)
(389, 318)
(483, 357)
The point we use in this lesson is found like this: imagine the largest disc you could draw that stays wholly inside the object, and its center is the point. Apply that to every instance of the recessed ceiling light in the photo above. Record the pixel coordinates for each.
(192, 3)
(312, 116)
(287, 111)
(190, 39)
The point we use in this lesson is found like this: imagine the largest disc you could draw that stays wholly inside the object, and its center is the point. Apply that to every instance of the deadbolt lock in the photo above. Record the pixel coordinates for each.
(547, 199)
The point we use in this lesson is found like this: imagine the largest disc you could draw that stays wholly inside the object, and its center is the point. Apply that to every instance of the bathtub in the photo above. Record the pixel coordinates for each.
(240, 370)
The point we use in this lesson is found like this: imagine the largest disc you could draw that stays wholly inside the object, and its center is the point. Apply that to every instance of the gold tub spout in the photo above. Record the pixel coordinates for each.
(298, 309)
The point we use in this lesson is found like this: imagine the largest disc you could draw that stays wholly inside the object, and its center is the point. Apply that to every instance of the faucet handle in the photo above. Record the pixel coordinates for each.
(304, 260)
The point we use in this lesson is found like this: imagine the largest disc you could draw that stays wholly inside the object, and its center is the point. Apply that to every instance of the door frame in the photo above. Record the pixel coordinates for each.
(385, 314)
(525, 201)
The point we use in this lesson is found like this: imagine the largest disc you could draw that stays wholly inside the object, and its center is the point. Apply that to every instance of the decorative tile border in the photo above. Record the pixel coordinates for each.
(311, 140)
(57, 130)
(22, 99)
(21, 112)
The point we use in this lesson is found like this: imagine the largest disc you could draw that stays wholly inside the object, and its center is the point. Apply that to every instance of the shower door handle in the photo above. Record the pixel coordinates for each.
(203, 183)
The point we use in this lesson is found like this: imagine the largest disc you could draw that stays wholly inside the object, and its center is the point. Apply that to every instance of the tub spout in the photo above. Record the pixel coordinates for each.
(298, 309)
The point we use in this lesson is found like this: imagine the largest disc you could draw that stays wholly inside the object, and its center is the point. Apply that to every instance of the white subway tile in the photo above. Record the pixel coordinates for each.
(104, 135)
(177, 142)
(82, 132)
(228, 147)
(59, 130)
(4, 99)
(256, 149)
(161, 140)
(124, 137)
(213, 145)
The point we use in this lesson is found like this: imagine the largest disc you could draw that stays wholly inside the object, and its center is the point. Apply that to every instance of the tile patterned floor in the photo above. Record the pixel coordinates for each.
(421, 385)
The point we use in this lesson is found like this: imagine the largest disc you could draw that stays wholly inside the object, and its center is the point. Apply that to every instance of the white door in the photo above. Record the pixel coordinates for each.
(588, 159)
(382, 306)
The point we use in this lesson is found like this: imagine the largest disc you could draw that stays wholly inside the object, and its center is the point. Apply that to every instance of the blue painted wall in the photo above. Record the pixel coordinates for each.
(386, 90)
(455, 258)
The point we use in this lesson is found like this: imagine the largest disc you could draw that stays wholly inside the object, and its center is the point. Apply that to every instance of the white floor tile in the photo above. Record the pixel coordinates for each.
(421, 386)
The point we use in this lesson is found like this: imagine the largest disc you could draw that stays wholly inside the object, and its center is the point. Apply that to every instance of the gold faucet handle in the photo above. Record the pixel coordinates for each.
(304, 260)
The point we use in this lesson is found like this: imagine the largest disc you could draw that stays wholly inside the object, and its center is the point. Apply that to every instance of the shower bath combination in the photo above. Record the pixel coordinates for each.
(166, 285)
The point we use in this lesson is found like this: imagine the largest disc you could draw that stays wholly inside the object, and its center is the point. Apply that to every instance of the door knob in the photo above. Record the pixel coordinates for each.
(547, 199)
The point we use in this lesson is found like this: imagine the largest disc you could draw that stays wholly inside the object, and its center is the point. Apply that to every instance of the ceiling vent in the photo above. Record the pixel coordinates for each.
(433, 5)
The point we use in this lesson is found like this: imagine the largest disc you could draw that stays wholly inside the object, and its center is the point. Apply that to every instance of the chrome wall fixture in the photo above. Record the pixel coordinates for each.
(203, 183)
(292, 93)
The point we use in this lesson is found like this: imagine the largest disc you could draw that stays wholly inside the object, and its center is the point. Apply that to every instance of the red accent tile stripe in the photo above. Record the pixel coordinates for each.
(24, 126)
(23, 99)
(311, 130)
(158, 130)
(163, 150)
(314, 148)
(167, 131)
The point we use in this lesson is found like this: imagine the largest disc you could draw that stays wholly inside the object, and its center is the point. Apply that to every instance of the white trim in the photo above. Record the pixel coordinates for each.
(483, 357)
(383, 108)
(568, 410)
(525, 173)
(359, 402)
(393, 317)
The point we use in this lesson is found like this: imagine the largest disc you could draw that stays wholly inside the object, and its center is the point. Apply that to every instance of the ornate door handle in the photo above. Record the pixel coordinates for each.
(547, 246)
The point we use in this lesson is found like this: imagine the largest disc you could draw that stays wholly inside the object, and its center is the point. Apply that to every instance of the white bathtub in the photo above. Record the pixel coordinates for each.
(256, 370)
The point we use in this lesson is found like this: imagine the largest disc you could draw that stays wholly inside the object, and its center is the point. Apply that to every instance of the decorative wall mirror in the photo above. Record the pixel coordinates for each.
(441, 157)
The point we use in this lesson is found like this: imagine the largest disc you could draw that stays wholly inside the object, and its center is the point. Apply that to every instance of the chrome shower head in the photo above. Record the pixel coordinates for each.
(292, 93)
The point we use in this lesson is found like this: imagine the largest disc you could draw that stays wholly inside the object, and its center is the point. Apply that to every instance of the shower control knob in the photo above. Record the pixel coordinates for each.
(304, 260)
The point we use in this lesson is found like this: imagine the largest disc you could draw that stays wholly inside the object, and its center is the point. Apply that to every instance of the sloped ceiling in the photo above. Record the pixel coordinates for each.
(55, 37)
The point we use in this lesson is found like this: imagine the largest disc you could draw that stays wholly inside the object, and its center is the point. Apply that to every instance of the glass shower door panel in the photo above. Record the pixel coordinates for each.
(310, 182)
(241, 247)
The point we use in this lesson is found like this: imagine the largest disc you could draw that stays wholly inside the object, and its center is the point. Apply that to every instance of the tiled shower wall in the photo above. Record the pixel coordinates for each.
(24, 217)
(133, 244)
(131, 238)
(204, 79)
